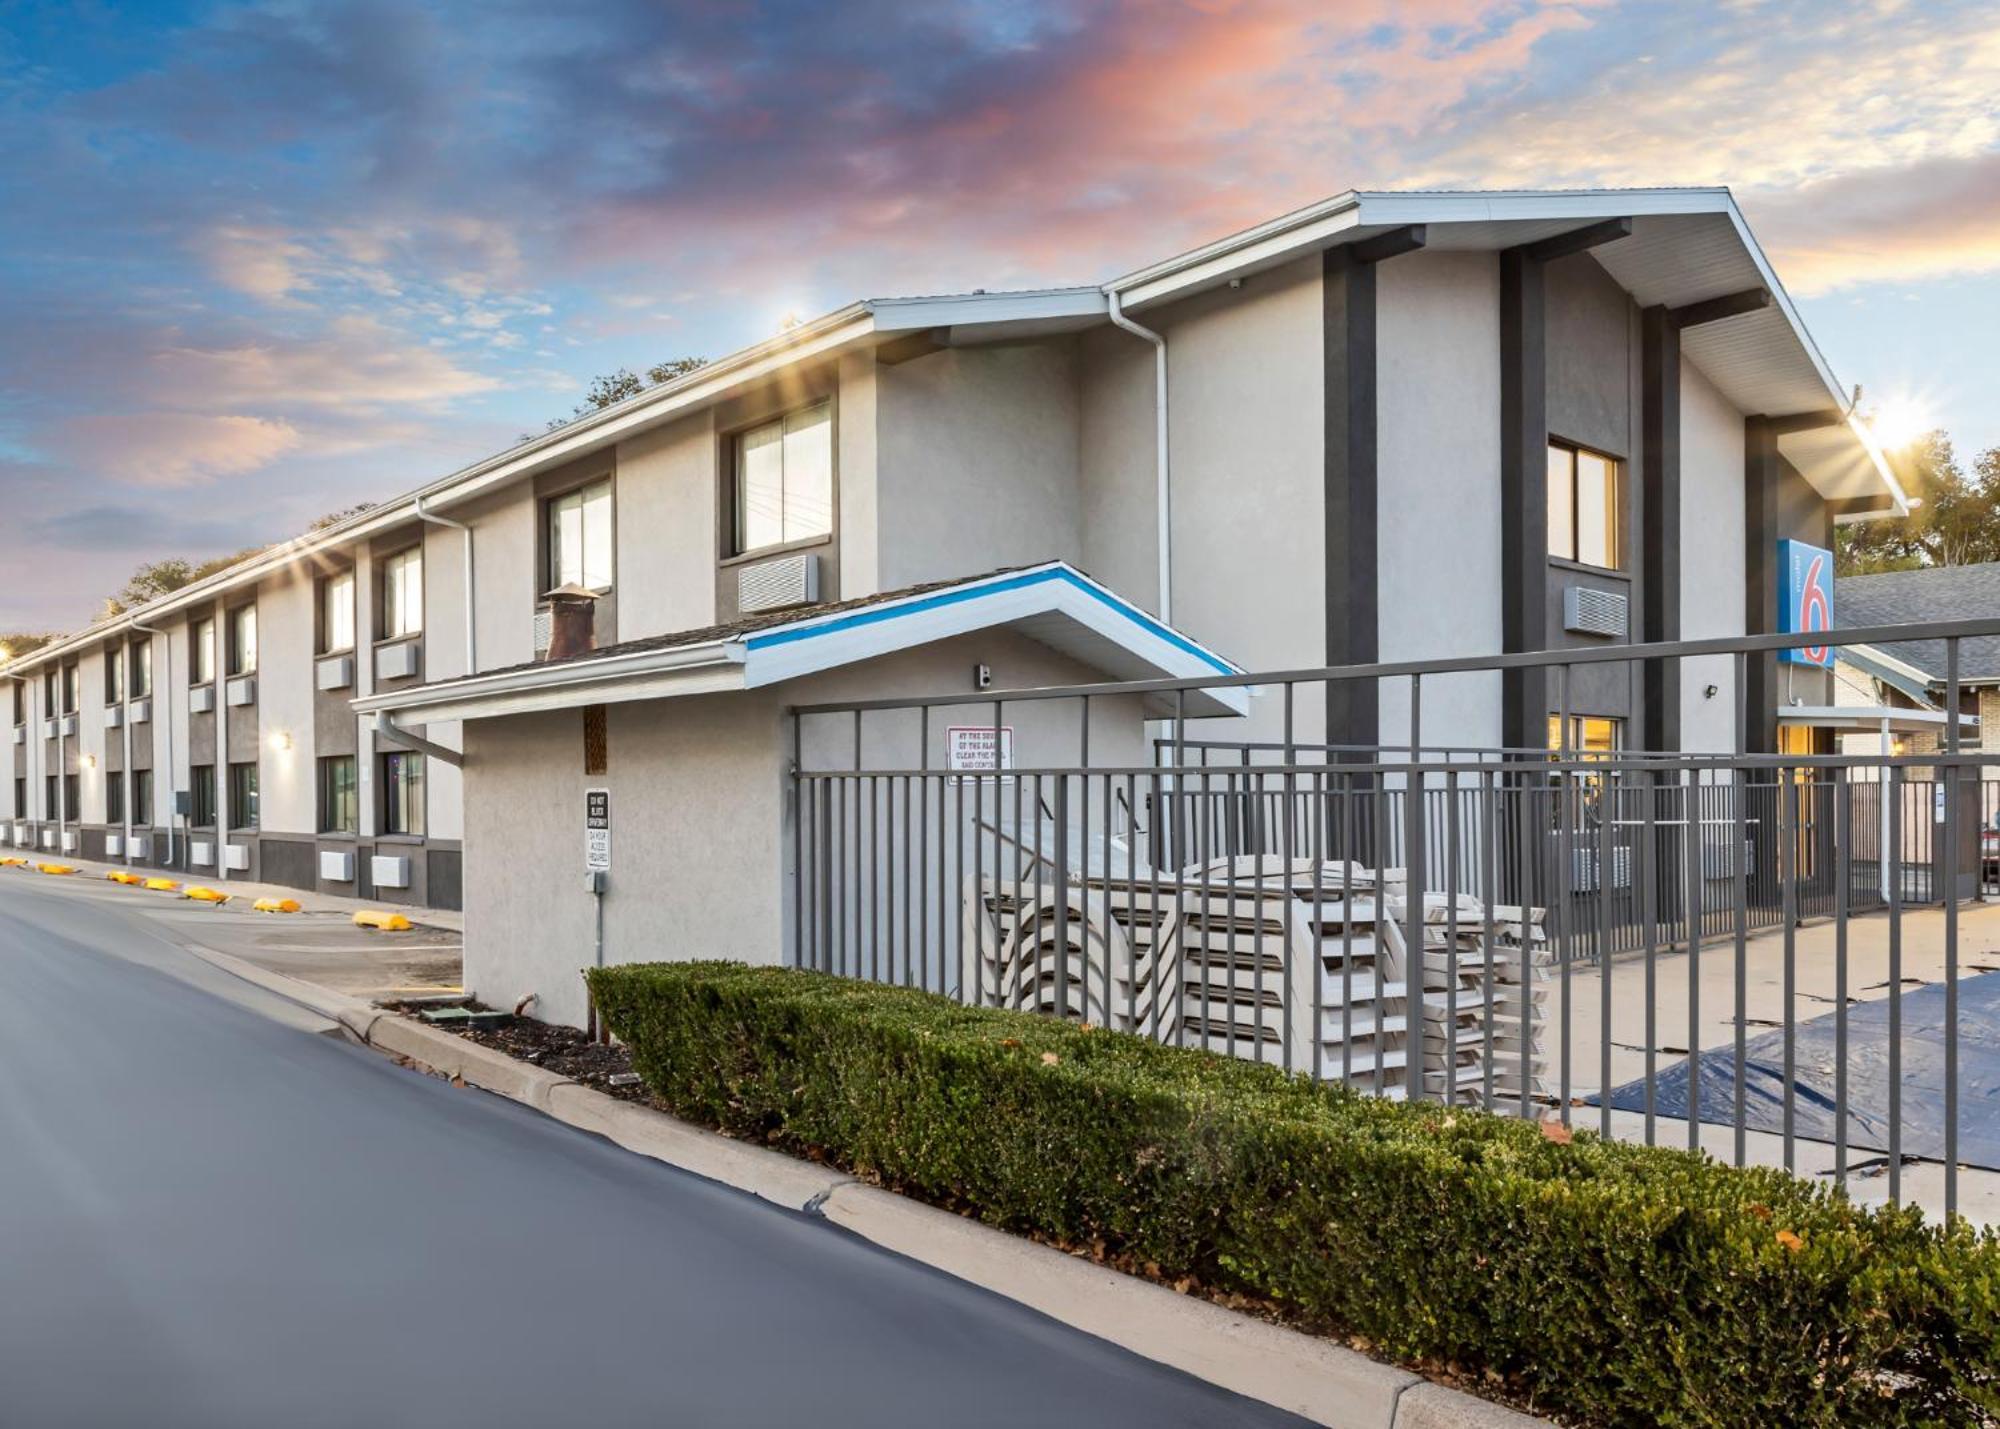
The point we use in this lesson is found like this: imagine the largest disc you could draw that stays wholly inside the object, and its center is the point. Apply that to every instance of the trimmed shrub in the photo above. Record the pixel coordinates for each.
(1616, 1284)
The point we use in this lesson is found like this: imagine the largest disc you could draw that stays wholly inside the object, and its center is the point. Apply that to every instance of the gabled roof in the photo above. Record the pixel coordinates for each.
(1932, 593)
(1053, 603)
(1686, 245)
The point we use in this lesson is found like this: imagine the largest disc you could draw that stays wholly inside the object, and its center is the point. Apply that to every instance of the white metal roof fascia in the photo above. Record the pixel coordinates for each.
(524, 689)
(978, 309)
(1265, 246)
(1884, 658)
(847, 637)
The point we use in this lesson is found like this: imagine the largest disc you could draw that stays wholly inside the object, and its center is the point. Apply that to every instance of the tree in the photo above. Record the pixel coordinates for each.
(609, 389)
(1958, 523)
(158, 578)
(334, 518)
(22, 642)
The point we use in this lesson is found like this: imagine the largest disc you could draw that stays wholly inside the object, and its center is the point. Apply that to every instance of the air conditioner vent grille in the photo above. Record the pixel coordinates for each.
(1587, 611)
(776, 584)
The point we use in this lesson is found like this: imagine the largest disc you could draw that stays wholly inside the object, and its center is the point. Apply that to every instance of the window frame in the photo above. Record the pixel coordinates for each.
(139, 669)
(400, 793)
(551, 555)
(352, 794)
(234, 655)
(386, 611)
(114, 797)
(141, 795)
(72, 686)
(72, 790)
(243, 800)
(325, 605)
(114, 674)
(738, 545)
(1619, 534)
(201, 796)
(201, 651)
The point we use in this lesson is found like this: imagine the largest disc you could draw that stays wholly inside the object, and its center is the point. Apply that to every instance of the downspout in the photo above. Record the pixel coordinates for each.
(28, 742)
(1163, 500)
(471, 624)
(154, 695)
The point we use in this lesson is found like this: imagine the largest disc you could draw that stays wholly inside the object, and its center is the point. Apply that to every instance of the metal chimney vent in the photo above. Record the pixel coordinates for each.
(773, 585)
(1595, 612)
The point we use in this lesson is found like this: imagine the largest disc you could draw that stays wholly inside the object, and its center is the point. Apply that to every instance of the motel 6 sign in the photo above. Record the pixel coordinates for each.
(1805, 599)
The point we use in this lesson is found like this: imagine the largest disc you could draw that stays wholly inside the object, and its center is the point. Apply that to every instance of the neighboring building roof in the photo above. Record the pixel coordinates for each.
(1686, 245)
(1933, 593)
(1053, 603)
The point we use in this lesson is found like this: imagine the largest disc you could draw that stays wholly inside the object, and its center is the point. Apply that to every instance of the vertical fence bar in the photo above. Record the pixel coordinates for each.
(1953, 866)
(1565, 866)
(1607, 881)
(1650, 790)
(1740, 857)
(1413, 892)
(1895, 794)
(1489, 896)
(1843, 834)
(1695, 892)
(1788, 903)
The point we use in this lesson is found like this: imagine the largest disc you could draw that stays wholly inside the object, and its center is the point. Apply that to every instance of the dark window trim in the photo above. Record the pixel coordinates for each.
(545, 548)
(320, 647)
(732, 547)
(1622, 466)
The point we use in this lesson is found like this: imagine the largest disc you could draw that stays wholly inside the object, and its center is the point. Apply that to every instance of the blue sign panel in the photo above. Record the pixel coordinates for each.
(1805, 599)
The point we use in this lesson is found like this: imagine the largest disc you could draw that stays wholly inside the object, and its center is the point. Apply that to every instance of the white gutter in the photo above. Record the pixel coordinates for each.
(471, 617)
(1163, 496)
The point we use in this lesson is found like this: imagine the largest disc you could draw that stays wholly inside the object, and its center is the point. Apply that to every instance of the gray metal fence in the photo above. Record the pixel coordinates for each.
(1550, 933)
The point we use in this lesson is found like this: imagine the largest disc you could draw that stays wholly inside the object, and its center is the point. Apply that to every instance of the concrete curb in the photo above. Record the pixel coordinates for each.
(1316, 1379)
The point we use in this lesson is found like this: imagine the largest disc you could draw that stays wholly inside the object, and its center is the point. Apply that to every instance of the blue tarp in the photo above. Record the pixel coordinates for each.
(1868, 1086)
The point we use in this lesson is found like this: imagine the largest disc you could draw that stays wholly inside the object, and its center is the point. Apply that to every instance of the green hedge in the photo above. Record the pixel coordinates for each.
(1616, 1284)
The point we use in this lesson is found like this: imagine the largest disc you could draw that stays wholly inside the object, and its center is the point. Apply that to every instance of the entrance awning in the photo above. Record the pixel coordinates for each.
(1873, 718)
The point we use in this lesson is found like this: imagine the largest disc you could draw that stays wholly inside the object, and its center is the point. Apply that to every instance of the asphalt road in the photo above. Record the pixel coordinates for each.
(213, 1213)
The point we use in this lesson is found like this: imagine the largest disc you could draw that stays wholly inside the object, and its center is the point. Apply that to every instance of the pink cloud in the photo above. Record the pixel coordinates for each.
(172, 450)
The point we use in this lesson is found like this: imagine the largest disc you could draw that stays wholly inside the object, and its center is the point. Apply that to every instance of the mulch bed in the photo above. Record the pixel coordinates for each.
(563, 1050)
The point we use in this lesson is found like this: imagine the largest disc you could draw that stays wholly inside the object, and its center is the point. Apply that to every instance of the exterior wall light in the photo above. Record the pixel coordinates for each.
(90, 761)
(281, 741)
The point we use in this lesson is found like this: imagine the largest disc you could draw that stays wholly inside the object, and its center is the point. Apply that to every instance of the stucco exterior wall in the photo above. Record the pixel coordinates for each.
(89, 740)
(1712, 556)
(503, 580)
(702, 847)
(856, 492)
(1438, 515)
(976, 461)
(665, 526)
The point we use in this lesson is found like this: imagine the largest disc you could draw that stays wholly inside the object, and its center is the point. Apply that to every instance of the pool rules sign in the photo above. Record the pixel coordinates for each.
(597, 830)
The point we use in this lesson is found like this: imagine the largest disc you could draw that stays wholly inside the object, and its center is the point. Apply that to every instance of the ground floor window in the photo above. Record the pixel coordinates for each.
(72, 790)
(339, 795)
(142, 796)
(20, 798)
(114, 798)
(402, 793)
(201, 796)
(243, 796)
(51, 798)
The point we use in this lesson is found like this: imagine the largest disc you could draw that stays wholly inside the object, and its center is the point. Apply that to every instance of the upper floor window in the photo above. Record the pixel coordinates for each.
(114, 674)
(201, 651)
(783, 479)
(336, 613)
(141, 660)
(578, 537)
(72, 687)
(1586, 507)
(403, 593)
(20, 702)
(243, 640)
(51, 690)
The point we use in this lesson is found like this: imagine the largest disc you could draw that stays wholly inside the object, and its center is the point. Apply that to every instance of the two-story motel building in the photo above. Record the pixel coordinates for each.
(1389, 425)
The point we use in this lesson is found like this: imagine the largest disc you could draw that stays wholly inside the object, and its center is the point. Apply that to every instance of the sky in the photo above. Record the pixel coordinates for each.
(260, 261)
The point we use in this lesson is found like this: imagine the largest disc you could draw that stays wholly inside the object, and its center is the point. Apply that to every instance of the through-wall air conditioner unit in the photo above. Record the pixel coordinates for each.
(48, 729)
(48, 838)
(389, 871)
(336, 672)
(22, 838)
(545, 627)
(336, 865)
(236, 857)
(201, 699)
(71, 841)
(68, 725)
(142, 711)
(776, 584)
(399, 661)
(114, 716)
(20, 734)
(114, 845)
(243, 690)
(1596, 612)
(202, 851)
